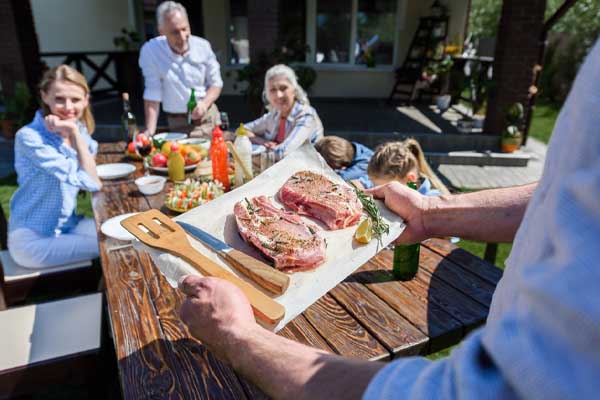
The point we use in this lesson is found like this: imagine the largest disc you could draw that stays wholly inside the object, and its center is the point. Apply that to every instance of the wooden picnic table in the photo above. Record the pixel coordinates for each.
(369, 315)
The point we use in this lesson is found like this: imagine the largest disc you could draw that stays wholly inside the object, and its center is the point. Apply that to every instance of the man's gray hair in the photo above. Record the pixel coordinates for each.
(290, 75)
(168, 7)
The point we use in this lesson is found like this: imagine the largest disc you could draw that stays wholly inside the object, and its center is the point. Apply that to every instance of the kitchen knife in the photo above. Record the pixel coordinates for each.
(266, 276)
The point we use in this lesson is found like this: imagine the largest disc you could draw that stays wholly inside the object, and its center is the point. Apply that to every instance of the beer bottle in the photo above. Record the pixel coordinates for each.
(128, 122)
(406, 256)
(191, 104)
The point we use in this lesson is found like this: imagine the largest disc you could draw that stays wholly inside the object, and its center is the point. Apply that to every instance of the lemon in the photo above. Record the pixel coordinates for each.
(364, 231)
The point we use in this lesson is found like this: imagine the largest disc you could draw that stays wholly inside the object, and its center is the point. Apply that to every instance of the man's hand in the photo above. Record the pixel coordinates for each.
(270, 145)
(407, 203)
(63, 127)
(216, 312)
(199, 111)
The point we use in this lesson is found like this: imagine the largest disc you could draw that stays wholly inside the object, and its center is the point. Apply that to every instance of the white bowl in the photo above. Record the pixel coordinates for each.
(150, 184)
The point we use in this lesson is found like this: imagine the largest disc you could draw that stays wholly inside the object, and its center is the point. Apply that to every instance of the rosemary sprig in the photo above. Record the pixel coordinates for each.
(370, 207)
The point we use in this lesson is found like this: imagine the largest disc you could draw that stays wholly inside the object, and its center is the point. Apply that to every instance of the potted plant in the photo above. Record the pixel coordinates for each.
(512, 136)
(7, 120)
(17, 110)
(438, 73)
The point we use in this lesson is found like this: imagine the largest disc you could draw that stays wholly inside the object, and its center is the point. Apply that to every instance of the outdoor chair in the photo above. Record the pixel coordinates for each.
(21, 283)
(50, 343)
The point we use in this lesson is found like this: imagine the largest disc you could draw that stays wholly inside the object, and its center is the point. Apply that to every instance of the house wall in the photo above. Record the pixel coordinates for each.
(90, 25)
(76, 26)
(341, 80)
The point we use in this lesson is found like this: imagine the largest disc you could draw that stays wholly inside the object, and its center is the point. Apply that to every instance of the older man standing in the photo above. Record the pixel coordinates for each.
(173, 64)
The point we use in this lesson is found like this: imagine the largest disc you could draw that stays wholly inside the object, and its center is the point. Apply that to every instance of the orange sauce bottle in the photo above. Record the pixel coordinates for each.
(218, 156)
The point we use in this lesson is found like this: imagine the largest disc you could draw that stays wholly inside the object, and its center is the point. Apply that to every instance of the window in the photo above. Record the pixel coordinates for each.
(333, 24)
(292, 31)
(352, 31)
(375, 31)
(239, 46)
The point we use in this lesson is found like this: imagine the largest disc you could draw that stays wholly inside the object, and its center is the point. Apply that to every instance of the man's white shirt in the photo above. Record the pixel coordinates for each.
(170, 77)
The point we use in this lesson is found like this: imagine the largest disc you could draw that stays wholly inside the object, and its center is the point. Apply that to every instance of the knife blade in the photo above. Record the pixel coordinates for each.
(266, 276)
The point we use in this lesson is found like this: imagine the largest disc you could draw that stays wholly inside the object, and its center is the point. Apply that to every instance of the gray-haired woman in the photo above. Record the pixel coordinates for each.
(290, 120)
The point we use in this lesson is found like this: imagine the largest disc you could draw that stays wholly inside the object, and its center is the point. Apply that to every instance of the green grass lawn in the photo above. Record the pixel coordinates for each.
(542, 122)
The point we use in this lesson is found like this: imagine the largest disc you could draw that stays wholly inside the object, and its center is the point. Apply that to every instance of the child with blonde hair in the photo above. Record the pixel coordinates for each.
(404, 162)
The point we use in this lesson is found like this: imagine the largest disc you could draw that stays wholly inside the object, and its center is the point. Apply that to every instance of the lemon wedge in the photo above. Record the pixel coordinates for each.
(364, 231)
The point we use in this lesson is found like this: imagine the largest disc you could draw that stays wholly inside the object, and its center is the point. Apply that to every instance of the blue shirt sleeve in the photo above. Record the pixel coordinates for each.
(542, 334)
(259, 126)
(355, 171)
(49, 160)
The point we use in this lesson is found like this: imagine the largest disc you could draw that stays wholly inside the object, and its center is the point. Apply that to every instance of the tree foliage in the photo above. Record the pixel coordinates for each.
(582, 20)
(569, 39)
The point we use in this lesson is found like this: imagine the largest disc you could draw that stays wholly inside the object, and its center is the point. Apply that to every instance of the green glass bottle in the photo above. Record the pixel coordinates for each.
(191, 104)
(406, 256)
(128, 121)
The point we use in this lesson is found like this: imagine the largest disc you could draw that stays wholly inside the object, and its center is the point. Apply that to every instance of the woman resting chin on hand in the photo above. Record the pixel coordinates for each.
(54, 159)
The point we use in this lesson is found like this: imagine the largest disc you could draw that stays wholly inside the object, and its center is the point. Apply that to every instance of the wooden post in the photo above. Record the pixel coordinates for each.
(515, 58)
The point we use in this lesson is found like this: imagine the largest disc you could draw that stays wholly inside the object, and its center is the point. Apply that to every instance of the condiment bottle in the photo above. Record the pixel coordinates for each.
(176, 164)
(406, 256)
(243, 147)
(218, 156)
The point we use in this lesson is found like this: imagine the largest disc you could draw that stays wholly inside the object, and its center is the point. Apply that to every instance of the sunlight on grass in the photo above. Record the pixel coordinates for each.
(8, 186)
(542, 123)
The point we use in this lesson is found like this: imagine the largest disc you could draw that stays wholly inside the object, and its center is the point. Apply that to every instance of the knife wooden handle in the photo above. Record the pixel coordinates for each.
(263, 274)
(265, 308)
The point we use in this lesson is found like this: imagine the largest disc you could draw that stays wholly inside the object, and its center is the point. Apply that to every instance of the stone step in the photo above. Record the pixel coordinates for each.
(430, 142)
(516, 159)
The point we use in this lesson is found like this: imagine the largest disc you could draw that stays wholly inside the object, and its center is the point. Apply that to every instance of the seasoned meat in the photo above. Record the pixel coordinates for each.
(315, 195)
(282, 236)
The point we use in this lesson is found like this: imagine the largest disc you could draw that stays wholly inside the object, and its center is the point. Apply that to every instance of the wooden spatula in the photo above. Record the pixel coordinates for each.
(164, 234)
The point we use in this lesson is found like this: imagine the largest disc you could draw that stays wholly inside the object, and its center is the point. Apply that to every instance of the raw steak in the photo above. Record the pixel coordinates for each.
(313, 194)
(282, 236)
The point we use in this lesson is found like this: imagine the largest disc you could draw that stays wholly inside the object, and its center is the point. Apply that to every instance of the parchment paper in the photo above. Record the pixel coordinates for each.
(344, 255)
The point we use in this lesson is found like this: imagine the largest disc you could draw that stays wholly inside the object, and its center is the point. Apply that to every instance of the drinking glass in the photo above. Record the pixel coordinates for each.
(267, 159)
(224, 121)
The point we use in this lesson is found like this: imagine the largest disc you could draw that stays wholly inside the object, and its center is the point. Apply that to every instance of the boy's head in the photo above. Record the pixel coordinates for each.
(395, 161)
(337, 152)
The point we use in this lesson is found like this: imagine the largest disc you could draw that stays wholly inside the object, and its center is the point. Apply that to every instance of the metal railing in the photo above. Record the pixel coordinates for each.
(102, 78)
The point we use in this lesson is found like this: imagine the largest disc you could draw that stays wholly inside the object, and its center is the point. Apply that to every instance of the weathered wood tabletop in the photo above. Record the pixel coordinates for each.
(368, 316)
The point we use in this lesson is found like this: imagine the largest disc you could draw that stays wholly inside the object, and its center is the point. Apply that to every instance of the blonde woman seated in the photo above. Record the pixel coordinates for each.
(291, 121)
(54, 159)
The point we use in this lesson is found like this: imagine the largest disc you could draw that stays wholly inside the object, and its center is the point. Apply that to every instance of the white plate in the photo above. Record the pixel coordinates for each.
(257, 149)
(170, 136)
(112, 228)
(114, 171)
(165, 169)
(202, 142)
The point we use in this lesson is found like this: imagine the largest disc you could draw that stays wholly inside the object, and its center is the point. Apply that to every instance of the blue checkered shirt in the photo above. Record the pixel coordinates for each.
(301, 125)
(49, 178)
